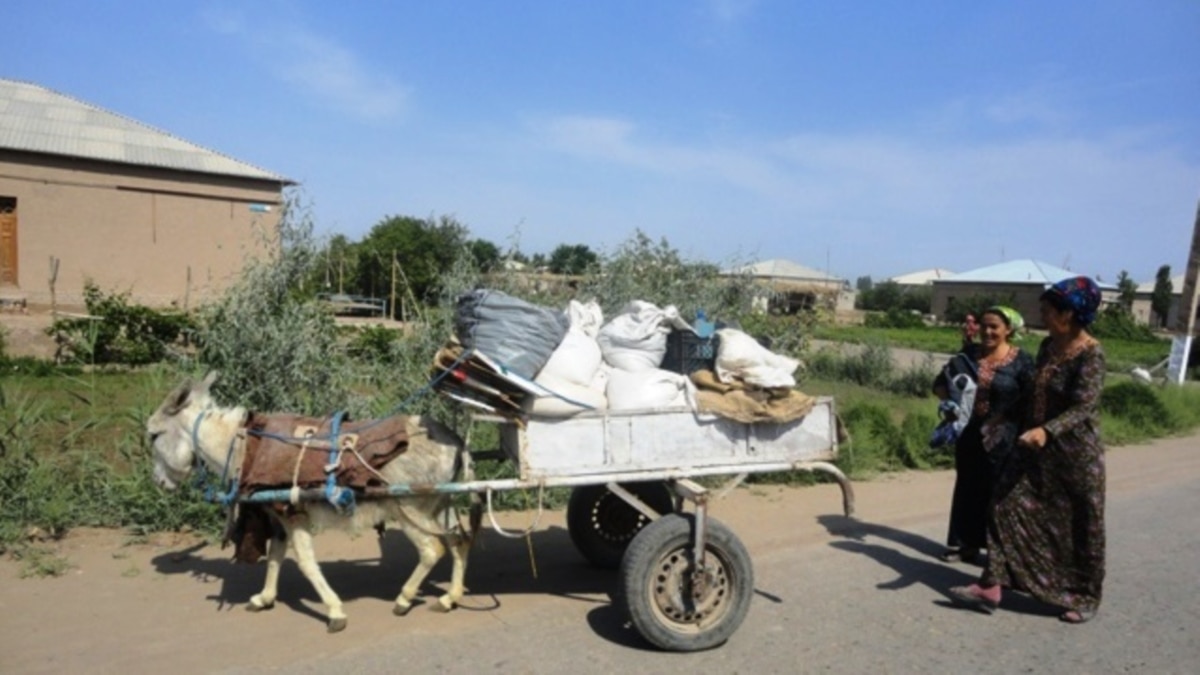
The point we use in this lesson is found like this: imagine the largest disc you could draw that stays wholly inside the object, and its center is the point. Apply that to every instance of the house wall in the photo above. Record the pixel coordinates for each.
(1143, 314)
(1025, 297)
(133, 229)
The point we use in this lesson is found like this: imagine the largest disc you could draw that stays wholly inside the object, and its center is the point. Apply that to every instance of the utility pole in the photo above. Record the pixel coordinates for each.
(1185, 323)
(1186, 320)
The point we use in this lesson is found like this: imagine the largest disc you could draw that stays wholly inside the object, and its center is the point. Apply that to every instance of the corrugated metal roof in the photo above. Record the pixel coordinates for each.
(922, 277)
(1025, 271)
(36, 119)
(783, 269)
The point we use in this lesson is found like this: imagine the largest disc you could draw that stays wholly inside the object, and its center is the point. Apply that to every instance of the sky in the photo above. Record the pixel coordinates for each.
(863, 138)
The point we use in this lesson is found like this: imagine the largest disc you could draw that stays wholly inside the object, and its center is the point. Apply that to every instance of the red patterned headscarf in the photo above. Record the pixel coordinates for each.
(1079, 294)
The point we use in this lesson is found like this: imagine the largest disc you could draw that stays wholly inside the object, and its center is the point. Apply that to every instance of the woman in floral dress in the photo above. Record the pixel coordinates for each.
(1004, 375)
(1046, 532)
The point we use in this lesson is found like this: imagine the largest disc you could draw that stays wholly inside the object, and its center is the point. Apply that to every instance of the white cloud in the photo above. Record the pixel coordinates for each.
(314, 65)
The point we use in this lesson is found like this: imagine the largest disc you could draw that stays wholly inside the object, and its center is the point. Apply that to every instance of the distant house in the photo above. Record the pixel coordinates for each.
(1022, 280)
(127, 206)
(1142, 299)
(794, 287)
(921, 277)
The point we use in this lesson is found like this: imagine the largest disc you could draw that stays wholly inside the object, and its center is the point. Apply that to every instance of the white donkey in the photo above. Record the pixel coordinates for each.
(189, 425)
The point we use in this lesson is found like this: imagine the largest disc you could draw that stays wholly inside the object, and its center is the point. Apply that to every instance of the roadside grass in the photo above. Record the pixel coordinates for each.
(1122, 355)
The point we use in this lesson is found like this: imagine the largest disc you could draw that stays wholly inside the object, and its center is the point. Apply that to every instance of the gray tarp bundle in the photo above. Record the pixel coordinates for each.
(519, 335)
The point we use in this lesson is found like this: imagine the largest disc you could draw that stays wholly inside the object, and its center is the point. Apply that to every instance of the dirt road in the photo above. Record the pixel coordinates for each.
(831, 594)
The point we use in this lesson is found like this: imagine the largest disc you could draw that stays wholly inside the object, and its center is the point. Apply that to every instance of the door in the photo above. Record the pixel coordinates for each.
(8, 241)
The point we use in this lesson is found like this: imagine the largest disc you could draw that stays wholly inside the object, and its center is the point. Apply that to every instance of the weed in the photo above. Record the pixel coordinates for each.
(40, 561)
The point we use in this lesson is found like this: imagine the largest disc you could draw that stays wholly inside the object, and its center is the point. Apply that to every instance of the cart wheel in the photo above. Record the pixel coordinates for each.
(674, 606)
(602, 524)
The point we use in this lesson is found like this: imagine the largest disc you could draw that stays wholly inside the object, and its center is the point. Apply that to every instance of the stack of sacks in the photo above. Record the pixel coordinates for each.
(633, 343)
(575, 371)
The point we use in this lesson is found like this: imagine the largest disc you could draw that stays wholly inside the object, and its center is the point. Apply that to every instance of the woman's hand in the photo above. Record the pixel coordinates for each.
(1034, 438)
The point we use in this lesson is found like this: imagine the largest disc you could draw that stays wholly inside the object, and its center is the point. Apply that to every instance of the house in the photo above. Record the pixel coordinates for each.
(921, 277)
(794, 287)
(1142, 301)
(90, 195)
(1020, 282)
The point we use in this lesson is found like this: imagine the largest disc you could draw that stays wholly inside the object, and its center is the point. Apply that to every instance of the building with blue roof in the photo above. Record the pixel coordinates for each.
(1018, 283)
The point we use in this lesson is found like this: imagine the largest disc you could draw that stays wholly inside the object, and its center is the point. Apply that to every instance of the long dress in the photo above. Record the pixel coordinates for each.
(1046, 533)
(986, 443)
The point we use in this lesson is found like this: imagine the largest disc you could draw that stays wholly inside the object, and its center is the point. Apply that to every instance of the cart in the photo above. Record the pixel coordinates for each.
(638, 502)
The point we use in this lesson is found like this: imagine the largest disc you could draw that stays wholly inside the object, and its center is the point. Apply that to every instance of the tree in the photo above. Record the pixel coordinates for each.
(423, 248)
(574, 260)
(863, 284)
(1160, 299)
(1127, 289)
(485, 254)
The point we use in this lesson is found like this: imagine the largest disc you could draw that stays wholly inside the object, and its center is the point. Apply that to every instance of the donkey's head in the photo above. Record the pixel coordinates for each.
(171, 433)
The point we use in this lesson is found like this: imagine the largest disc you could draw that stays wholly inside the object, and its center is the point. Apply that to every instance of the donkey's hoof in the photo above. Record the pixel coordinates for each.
(445, 604)
(258, 605)
(336, 625)
(401, 610)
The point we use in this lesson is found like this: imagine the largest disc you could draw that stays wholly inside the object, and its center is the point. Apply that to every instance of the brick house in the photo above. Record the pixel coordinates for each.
(134, 209)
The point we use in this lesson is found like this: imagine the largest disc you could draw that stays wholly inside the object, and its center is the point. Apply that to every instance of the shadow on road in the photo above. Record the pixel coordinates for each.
(546, 563)
(925, 570)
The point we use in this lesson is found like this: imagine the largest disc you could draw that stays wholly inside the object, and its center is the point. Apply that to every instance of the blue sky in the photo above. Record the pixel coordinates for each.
(866, 138)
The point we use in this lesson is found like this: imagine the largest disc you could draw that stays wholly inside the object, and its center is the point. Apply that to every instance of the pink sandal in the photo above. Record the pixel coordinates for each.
(975, 596)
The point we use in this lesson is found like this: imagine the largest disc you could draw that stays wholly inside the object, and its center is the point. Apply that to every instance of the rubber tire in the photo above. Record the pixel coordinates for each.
(651, 593)
(602, 525)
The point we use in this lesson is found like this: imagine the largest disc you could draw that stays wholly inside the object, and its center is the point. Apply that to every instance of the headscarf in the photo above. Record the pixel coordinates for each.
(1080, 294)
(1016, 322)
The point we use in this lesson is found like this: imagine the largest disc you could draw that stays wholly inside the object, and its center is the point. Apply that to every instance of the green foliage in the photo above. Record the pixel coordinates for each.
(1160, 298)
(275, 346)
(888, 296)
(573, 260)
(1127, 290)
(423, 249)
(894, 318)
(122, 332)
(654, 272)
(484, 254)
(958, 308)
(1116, 322)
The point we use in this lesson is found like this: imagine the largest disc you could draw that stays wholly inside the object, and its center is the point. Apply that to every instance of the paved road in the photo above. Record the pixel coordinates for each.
(832, 594)
(868, 595)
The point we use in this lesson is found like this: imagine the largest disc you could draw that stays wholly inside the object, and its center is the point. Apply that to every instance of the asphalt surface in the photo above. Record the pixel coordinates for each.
(868, 595)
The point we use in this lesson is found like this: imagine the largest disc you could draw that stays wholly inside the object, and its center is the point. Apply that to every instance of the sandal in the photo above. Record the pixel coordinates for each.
(954, 555)
(1077, 616)
(975, 597)
(951, 555)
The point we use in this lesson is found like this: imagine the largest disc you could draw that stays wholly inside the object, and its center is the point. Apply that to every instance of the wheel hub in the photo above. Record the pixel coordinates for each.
(686, 596)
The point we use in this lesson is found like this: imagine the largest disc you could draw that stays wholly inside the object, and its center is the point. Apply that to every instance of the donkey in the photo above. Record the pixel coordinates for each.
(190, 427)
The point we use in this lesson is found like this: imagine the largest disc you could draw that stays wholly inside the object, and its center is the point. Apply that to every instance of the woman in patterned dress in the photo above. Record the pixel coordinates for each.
(1005, 373)
(1046, 533)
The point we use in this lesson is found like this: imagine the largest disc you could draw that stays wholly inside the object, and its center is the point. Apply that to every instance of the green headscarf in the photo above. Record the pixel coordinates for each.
(1012, 317)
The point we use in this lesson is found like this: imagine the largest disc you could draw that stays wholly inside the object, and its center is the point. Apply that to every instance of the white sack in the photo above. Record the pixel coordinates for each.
(571, 398)
(636, 339)
(575, 360)
(585, 316)
(741, 358)
(647, 389)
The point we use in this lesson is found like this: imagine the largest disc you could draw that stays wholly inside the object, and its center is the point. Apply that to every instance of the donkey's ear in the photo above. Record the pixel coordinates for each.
(207, 382)
(178, 398)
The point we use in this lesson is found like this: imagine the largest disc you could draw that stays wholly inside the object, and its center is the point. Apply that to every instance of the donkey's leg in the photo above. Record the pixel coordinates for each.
(302, 542)
(276, 553)
(429, 552)
(459, 546)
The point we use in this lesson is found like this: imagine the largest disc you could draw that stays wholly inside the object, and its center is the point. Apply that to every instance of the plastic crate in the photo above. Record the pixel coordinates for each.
(688, 352)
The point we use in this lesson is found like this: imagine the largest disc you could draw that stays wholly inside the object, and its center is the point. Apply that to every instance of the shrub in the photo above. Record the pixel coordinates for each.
(1138, 406)
(894, 318)
(1117, 322)
(123, 332)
